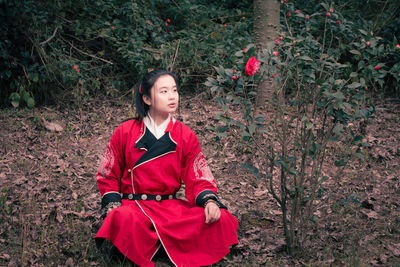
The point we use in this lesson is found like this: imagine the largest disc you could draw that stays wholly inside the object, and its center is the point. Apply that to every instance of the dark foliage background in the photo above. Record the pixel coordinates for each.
(113, 42)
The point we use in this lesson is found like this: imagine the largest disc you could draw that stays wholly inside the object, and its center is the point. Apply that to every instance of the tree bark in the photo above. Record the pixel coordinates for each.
(266, 25)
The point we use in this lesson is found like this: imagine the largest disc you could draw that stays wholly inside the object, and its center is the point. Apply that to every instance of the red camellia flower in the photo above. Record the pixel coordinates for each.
(307, 17)
(252, 66)
(75, 67)
(368, 43)
(398, 46)
(234, 78)
(274, 74)
(78, 70)
(328, 14)
(225, 25)
(168, 20)
(244, 50)
(297, 11)
(113, 27)
(286, 0)
(280, 38)
(166, 23)
(275, 53)
(362, 40)
(372, 33)
(331, 10)
(281, 2)
(277, 41)
(289, 14)
(366, 88)
(377, 67)
(338, 22)
(233, 70)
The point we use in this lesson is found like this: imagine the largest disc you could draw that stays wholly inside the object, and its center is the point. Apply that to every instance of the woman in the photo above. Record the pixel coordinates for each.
(142, 169)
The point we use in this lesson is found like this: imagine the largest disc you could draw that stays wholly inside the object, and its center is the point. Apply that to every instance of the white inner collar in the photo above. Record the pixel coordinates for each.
(159, 130)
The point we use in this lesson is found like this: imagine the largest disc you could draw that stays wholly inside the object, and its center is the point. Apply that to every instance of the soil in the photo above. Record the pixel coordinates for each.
(50, 204)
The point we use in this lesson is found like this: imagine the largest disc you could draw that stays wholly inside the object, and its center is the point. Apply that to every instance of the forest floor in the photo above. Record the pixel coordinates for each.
(49, 201)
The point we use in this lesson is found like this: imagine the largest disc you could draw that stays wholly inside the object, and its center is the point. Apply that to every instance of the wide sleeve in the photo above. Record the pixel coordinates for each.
(200, 184)
(110, 170)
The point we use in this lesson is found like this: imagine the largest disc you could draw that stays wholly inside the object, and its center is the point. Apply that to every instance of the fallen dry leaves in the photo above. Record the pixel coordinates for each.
(49, 202)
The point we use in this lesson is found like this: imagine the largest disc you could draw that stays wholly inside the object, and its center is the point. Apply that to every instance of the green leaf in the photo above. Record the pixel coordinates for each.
(353, 74)
(338, 129)
(355, 52)
(31, 102)
(339, 163)
(306, 58)
(363, 32)
(354, 85)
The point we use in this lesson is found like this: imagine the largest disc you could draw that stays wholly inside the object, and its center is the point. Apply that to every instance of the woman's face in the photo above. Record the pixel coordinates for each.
(164, 97)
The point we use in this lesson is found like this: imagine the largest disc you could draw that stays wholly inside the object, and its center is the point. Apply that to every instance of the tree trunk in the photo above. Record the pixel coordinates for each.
(266, 25)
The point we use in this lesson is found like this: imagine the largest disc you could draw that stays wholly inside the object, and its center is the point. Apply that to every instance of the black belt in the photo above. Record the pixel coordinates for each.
(147, 197)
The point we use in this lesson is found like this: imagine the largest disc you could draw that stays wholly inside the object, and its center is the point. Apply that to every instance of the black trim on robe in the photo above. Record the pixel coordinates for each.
(110, 197)
(205, 195)
(154, 147)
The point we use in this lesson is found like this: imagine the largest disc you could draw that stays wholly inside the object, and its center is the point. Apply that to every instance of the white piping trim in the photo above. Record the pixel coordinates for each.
(157, 233)
(110, 192)
(170, 137)
(152, 159)
(141, 135)
(155, 252)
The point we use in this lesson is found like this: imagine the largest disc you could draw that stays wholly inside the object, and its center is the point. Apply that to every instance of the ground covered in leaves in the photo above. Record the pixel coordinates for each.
(49, 201)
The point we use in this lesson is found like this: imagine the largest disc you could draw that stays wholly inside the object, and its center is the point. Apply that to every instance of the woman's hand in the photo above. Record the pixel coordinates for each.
(212, 212)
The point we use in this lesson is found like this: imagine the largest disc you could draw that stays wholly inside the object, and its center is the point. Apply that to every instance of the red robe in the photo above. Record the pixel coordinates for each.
(138, 228)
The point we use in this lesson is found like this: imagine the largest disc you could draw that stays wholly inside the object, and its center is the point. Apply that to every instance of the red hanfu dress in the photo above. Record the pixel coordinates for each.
(136, 162)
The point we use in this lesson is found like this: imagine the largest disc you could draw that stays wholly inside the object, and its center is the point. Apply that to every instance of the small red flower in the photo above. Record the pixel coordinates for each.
(398, 46)
(166, 23)
(307, 17)
(225, 25)
(243, 17)
(233, 70)
(282, 34)
(274, 74)
(289, 14)
(275, 53)
(328, 14)
(234, 78)
(168, 20)
(244, 50)
(372, 33)
(252, 66)
(311, 119)
(366, 88)
(368, 43)
(281, 2)
(286, 0)
(78, 70)
(280, 38)
(331, 10)
(363, 40)
(113, 27)
(75, 67)
(297, 11)
(338, 22)
(377, 67)
(277, 41)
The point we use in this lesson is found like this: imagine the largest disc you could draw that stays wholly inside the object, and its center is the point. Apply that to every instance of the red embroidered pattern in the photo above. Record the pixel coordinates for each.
(107, 163)
(201, 169)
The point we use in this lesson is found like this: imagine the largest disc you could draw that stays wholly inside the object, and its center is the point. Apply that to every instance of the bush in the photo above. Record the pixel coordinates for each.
(72, 51)
(323, 67)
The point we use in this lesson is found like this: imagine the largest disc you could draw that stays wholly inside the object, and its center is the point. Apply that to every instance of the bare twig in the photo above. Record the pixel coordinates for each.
(92, 56)
(51, 37)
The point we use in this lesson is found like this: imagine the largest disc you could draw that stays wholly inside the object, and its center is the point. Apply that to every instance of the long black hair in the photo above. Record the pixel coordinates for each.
(144, 88)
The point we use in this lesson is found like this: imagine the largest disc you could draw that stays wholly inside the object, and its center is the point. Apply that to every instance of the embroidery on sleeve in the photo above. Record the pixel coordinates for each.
(201, 169)
(107, 163)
